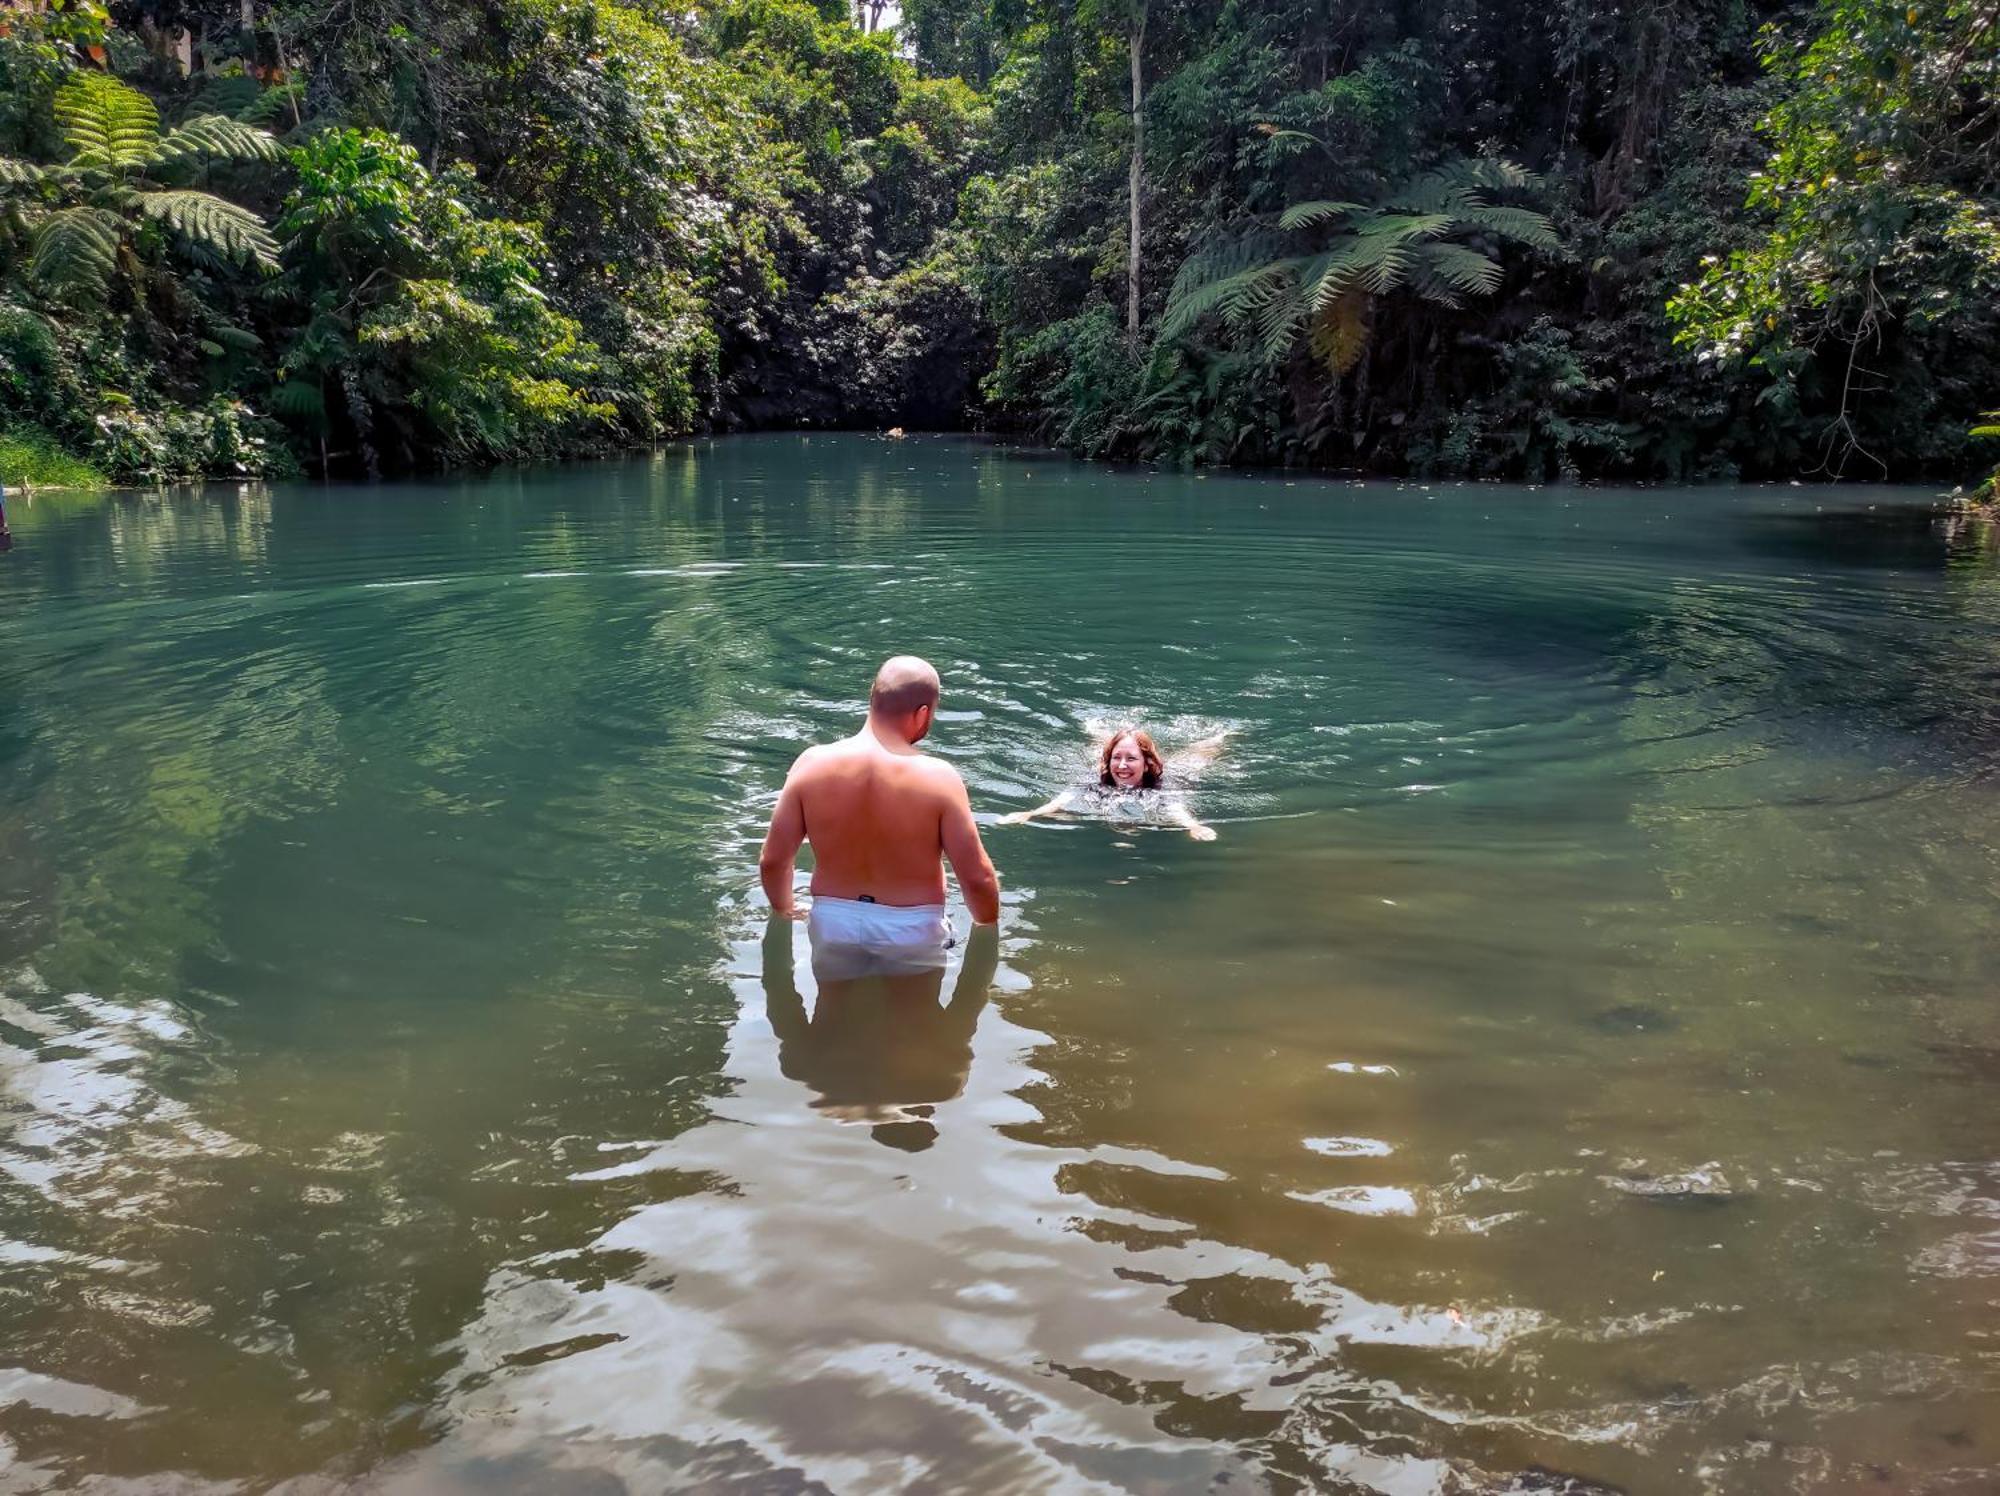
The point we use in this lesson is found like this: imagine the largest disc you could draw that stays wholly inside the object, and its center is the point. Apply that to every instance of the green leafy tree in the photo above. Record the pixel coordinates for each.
(952, 38)
(428, 319)
(111, 201)
(1872, 296)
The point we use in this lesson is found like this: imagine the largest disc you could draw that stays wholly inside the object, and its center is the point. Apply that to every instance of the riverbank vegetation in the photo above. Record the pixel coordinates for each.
(1677, 241)
(31, 459)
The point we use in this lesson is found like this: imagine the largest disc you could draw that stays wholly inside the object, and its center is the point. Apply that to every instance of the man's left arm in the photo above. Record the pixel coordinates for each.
(781, 848)
(962, 848)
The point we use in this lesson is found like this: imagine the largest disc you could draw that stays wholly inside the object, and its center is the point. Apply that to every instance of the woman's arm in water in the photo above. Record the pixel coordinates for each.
(1180, 815)
(1061, 802)
(1208, 748)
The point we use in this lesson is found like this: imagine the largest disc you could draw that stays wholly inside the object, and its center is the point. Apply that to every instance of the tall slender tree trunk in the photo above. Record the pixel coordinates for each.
(1132, 263)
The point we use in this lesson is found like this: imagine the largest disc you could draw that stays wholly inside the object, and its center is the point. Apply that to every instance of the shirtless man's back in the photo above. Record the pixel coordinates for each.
(879, 815)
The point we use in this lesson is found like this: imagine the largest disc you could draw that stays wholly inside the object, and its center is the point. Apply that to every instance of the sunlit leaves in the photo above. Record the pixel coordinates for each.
(111, 132)
(212, 137)
(1881, 205)
(213, 227)
(107, 125)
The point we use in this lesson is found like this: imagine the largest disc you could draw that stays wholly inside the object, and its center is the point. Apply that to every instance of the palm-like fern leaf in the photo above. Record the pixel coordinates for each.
(212, 136)
(108, 125)
(1231, 295)
(213, 227)
(1259, 283)
(231, 336)
(273, 105)
(227, 93)
(1521, 224)
(300, 400)
(1461, 180)
(1397, 228)
(1221, 278)
(1388, 268)
(1306, 215)
(1275, 314)
(18, 173)
(1454, 270)
(75, 250)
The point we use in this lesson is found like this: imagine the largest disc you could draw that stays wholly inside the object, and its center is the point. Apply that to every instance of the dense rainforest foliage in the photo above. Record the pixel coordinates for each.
(1624, 238)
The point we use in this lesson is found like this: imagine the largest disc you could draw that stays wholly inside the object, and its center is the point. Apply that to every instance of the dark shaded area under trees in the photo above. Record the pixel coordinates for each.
(1681, 239)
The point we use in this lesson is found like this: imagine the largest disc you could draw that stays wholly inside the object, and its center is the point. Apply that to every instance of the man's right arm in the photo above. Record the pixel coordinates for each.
(969, 862)
(781, 845)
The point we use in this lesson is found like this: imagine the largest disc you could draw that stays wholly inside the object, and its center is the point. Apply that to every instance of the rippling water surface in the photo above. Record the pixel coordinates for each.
(1572, 1067)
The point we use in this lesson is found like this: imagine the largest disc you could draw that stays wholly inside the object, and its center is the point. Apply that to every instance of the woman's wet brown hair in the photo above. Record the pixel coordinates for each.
(1156, 767)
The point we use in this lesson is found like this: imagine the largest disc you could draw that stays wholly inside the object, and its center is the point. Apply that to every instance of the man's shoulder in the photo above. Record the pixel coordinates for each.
(917, 769)
(818, 757)
(937, 773)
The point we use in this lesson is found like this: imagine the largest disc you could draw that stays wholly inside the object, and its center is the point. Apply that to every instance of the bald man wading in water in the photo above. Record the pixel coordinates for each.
(879, 815)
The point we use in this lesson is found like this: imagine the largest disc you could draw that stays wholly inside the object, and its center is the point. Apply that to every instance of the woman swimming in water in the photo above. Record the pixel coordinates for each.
(1130, 771)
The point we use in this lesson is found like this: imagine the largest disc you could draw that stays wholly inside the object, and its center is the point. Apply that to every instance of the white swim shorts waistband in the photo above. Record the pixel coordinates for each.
(862, 922)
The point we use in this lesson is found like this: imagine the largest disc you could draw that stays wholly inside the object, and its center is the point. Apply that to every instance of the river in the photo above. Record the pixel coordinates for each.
(1571, 1067)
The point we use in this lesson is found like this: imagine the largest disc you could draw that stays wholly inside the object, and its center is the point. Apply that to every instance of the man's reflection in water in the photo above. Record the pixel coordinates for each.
(879, 1046)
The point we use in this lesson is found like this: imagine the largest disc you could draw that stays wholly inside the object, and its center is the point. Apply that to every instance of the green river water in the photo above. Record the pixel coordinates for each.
(1573, 1066)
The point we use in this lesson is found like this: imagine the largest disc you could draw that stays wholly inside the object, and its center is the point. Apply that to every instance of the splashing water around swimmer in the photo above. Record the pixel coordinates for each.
(1128, 778)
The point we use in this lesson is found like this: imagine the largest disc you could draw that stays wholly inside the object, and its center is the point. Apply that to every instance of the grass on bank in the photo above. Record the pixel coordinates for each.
(30, 458)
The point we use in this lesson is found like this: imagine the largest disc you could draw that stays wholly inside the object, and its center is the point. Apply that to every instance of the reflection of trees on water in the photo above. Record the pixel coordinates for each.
(1812, 775)
(412, 886)
(144, 734)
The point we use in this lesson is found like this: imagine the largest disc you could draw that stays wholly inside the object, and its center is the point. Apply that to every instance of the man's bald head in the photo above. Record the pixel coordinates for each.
(903, 687)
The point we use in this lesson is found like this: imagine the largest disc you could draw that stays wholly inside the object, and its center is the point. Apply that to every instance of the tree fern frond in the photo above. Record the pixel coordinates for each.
(1253, 288)
(1453, 270)
(214, 227)
(75, 250)
(1403, 227)
(1500, 174)
(1225, 257)
(1522, 224)
(1426, 192)
(299, 400)
(1226, 294)
(240, 338)
(1258, 282)
(1276, 320)
(276, 105)
(1327, 277)
(227, 93)
(1462, 181)
(108, 125)
(18, 173)
(1306, 215)
(212, 136)
(1387, 270)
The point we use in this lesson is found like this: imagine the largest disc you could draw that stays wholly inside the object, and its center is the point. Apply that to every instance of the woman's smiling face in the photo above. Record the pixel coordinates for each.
(1127, 764)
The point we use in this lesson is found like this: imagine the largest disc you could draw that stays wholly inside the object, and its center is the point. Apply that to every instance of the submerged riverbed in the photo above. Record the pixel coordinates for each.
(1575, 1059)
